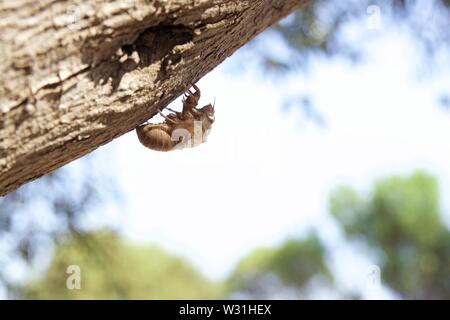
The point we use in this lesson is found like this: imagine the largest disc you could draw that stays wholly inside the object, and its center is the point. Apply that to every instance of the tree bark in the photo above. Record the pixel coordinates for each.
(77, 74)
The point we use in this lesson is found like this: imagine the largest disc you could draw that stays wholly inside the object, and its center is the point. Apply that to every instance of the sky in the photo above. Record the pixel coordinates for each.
(265, 173)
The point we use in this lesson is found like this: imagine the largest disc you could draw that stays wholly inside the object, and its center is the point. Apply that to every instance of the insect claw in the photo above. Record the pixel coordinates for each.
(195, 87)
(161, 114)
(174, 111)
(189, 93)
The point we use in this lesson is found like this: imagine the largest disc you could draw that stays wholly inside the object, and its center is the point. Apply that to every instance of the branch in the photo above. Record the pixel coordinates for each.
(74, 76)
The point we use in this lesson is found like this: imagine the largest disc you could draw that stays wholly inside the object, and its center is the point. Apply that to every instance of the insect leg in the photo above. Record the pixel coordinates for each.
(195, 112)
(161, 114)
(166, 118)
(194, 94)
(197, 90)
(171, 110)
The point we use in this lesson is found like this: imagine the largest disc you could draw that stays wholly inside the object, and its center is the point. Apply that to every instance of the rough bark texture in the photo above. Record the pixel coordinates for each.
(77, 74)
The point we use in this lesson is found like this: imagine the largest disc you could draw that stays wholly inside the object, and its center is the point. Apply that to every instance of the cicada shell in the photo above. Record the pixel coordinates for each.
(184, 129)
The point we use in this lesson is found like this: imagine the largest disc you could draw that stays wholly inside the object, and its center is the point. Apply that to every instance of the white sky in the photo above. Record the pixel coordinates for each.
(265, 175)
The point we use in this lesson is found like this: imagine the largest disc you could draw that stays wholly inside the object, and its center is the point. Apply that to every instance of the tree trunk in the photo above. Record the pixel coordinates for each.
(77, 74)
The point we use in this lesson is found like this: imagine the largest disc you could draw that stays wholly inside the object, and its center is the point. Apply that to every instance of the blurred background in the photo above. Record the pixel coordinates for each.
(326, 176)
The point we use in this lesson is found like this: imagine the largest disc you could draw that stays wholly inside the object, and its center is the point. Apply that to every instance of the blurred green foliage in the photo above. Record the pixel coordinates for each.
(321, 29)
(113, 269)
(399, 220)
(38, 214)
(293, 265)
(402, 221)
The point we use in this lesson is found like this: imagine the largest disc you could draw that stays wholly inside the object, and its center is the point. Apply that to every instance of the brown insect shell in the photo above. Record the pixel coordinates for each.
(166, 136)
(156, 136)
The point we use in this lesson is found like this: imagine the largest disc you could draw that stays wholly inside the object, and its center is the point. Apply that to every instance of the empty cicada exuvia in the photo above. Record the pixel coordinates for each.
(179, 130)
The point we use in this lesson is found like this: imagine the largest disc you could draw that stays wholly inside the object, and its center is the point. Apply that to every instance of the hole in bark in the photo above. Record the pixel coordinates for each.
(128, 49)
